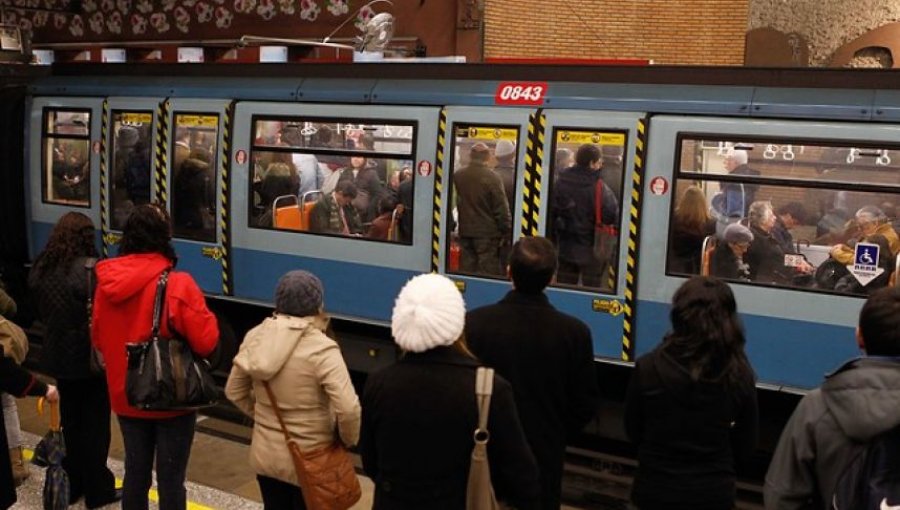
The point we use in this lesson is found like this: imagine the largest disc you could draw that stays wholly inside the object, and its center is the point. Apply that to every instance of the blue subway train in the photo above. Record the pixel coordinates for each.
(247, 157)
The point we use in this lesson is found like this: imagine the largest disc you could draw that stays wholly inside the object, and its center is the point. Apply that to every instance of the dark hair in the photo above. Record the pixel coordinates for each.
(795, 209)
(707, 337)
(532, 263)
(386, 204)
(71, 237)
(346, 188)
(879, 323)
(148, 230)
(885, 259)
(587, 154)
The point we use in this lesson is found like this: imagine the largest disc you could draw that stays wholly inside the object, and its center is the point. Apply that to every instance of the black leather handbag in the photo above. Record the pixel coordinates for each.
(163, 373)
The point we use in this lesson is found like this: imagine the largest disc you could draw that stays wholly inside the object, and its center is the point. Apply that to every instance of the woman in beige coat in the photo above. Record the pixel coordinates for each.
(309, 379)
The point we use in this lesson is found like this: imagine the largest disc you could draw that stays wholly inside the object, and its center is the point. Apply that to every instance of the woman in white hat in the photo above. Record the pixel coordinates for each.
(419, 415)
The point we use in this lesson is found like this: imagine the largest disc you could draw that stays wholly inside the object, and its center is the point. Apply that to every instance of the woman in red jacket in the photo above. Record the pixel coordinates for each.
(123, 309)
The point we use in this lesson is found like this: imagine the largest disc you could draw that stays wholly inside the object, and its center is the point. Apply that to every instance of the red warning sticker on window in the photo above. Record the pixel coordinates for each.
(521, 93)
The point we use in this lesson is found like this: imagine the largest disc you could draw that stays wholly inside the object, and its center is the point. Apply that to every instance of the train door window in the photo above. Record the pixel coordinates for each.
(132, 161)
(586, 206)
(785, 212)
(194, 176)
(67, 161)
(482, 197)
(302, 168)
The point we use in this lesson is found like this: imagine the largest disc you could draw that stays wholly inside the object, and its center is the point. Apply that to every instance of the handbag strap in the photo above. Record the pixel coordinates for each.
(159, 302)
(484, 387)
(287, 437)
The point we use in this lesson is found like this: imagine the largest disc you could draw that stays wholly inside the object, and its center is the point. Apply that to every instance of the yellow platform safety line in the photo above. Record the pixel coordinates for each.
(633, 230)
(438, 191)
(28, 453)
(104, 213)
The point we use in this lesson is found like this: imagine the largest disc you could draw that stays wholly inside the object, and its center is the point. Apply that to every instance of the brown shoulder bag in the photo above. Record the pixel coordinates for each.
(326, 475)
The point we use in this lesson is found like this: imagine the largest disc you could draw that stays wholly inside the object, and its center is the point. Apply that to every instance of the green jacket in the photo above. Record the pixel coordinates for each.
(326, 219)
(481, 202)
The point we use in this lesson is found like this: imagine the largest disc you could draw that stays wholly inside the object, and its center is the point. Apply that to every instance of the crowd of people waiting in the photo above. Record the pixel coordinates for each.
(690, 407)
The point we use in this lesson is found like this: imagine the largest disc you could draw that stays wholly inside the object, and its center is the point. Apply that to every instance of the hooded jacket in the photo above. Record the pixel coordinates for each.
(123, 313)
(829, 427)
(307, 374)
(689, 434)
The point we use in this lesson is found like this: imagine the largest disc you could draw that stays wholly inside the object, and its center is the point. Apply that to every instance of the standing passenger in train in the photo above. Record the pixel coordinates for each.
(871, 220)
(484, 220)
(303, 368)
(505, 154)
(545, 354)
(334, 213)
(368, 187)
(690, 226)
(59, 287)
(405, 197)
(574, 218)
(788, 217)
(737, 196)
(728, 257)
(420, 414)
(310, 174)
(833, 423)
(691, 405)
(123, 310)
(182, 150)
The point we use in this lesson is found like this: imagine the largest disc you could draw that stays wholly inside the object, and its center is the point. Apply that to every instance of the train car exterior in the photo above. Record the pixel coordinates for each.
(225, 153)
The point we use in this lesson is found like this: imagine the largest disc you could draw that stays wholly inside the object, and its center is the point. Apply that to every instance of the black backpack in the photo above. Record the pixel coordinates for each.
(871, 480)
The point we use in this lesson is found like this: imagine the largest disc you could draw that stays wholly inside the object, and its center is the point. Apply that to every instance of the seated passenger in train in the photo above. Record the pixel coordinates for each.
(484, 220)
(368, 187)
(71, 172)
(382, 225)
(579, 200)
(835, 227)
(871, 220)
(728, 257)
(690, 226)
(334, 213)
(278, 183)
(831, 425)
(788, 217)
(849, 284)
(765, 256)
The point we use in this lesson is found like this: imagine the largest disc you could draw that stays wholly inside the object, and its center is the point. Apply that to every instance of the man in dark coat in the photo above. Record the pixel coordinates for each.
(546, 355)
(484, 221)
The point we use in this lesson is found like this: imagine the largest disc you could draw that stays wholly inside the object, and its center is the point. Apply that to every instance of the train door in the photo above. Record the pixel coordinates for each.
(129, 137)
(191, 176)
(589, 220)
(480, 194)
(317, 187)
(63, 162)
(786, 202)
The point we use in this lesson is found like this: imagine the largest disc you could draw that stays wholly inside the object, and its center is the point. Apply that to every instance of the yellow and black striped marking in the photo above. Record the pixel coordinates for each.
(224, 216)
(633, 229)
(104, 178)
(534, 155)
(162, 153)
(438, 191)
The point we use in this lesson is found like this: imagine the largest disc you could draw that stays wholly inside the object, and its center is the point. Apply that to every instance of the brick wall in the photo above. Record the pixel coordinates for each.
(664, 31)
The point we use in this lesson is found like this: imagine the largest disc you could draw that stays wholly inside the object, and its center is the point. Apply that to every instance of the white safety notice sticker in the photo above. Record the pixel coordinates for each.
(865, 263)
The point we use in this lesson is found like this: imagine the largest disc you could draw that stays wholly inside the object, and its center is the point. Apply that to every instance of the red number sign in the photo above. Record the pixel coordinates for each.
(520, 93)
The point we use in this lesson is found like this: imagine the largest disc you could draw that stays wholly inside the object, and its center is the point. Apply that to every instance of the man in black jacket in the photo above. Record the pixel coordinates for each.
(546, 355)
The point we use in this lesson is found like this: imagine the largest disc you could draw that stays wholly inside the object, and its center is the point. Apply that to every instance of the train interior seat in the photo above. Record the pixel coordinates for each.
(306, 206)
(287, 217)
(709, 245)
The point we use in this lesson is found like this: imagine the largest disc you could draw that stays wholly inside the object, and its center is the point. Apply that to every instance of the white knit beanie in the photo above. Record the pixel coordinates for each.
(428, 313)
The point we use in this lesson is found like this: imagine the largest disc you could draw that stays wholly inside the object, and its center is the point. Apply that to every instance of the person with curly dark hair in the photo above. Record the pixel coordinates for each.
(59, 287)
(123, 310)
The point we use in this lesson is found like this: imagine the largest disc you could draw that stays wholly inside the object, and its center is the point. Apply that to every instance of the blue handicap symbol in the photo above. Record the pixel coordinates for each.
(866, 254)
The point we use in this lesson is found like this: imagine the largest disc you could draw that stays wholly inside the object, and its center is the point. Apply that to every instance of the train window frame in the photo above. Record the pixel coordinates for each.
(47, 135)
(171, 202)
(112, 160)
(551, 172)
(785, 182)
(255, 148)
(451, 168)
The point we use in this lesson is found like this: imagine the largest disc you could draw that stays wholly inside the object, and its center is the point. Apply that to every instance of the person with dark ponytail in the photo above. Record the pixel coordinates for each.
(691, 404)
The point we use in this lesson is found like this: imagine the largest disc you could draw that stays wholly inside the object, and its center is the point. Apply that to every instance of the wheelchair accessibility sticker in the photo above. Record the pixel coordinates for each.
(865, 263)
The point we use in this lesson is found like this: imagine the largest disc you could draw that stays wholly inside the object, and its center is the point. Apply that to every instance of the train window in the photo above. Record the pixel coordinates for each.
(586, 205)
(482, 198)
(800, 206)
(194, 176)
(302, 170)
(66, 157)
(132, 158)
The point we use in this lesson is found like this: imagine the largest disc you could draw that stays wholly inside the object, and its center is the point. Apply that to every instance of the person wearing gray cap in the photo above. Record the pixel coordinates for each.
(307, 376)
(728, 257)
